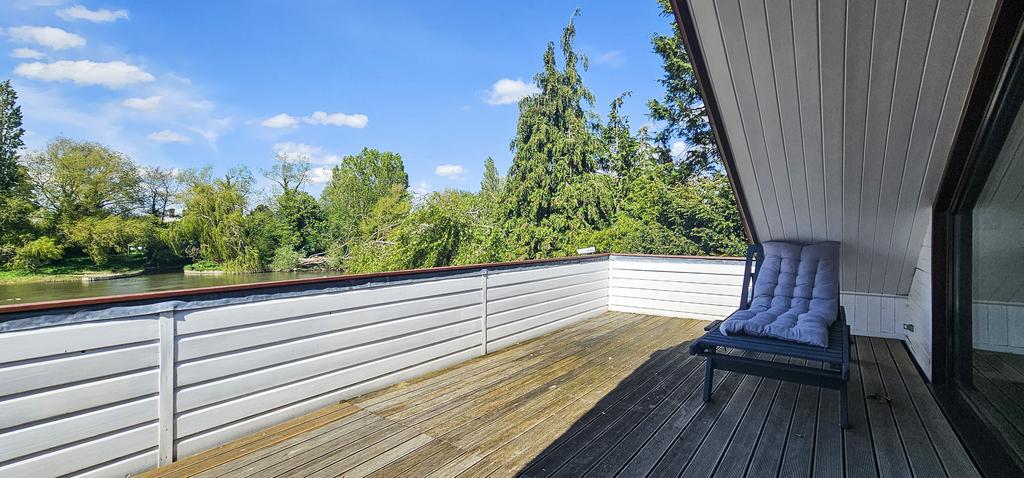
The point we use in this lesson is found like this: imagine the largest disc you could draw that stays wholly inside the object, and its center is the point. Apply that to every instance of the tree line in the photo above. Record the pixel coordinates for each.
(577, 179)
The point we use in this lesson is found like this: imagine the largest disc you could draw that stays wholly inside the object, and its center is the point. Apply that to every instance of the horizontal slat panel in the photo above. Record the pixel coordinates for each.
(128, 466)
(710, 289)
(36, 438)
(693, 278)
(261, 379)
(73, 338)
(504, 292)
(252, 359)
(498, 279)
(38, 406)
(75, 368)
(731, 302)
(495, 320)
(495, 307)
(266, 311)
(699, 266)
(84, 455)
(224, 341)
(211, 417)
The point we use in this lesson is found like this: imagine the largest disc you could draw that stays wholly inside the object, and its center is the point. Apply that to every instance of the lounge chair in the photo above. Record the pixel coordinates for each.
(789, 292)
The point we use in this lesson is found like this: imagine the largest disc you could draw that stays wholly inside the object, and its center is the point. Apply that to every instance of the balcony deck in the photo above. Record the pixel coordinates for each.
(614, 395)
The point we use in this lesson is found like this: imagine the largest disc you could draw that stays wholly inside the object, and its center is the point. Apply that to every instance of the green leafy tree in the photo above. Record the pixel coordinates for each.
(212, 227)
(554, 152)
(104, 237)
(302, 223)
(443, 230)
(37, 253)
(78, 179)
(681, 109)
(356, 184)
(492, 183)
(11, 133)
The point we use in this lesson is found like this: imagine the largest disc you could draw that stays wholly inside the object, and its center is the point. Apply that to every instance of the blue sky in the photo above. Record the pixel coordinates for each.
(185, 84)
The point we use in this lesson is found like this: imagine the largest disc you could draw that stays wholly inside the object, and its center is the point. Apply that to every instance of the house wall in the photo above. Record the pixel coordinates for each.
(920, 308)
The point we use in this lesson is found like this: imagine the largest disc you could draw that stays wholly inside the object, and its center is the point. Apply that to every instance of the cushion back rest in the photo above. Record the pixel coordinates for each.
(803, 278)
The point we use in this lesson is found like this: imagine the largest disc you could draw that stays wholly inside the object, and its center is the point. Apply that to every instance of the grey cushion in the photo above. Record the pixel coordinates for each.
(796, 296)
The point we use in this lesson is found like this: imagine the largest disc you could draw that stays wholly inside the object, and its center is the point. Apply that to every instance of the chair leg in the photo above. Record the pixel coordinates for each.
(709, 375)
(844, 407)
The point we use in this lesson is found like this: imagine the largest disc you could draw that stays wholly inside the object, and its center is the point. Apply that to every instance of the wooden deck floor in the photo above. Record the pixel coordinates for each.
(616, 395)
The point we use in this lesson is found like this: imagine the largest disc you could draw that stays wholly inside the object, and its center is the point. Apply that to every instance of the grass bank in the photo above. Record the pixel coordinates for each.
(72, 270)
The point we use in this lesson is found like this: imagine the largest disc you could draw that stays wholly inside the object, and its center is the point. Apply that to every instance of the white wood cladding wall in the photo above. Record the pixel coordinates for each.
(841, 116)
(120, 396)
(95, 397)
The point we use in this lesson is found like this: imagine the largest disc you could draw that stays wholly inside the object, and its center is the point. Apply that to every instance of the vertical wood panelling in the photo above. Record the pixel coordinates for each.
(845, 113)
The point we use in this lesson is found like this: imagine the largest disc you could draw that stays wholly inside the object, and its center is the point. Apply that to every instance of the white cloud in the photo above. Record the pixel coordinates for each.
(506, 91)
(610, 58)
(212, 130)
(50, 37)
(421, 188)
(79, 12)
(313, 154)
(450, 171)
(168, 136)
(320, 175)
(150, 103)
(26, 53)
(111, 74)
(283, 120)
(337, 119)
(678, 148)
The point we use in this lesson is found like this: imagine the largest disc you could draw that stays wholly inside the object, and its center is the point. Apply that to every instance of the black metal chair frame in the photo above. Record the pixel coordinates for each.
(836, 356)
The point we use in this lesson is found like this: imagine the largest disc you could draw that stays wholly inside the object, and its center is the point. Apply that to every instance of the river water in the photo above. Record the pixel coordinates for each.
(42, 291)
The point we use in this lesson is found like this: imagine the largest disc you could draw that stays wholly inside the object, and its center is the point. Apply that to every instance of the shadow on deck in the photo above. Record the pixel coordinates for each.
(614, 395)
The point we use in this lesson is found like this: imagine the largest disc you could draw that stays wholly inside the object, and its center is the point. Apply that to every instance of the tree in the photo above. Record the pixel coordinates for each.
(682, 108)
(212, 225)
(491, 184)
(77, 179)
(11, 133)
(101, 238)
(301, 222)
(159, 186)
(554, 152)
(289, 173)
(355, 187)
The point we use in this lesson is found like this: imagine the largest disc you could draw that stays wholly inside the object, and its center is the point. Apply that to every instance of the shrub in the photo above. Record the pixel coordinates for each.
(37, 253)
(286, 259)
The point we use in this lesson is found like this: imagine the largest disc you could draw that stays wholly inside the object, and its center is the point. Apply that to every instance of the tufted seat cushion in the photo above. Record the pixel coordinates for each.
(796, 296)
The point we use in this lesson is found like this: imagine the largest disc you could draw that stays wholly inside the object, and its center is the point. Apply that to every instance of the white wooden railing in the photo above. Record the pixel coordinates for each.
(115, 388)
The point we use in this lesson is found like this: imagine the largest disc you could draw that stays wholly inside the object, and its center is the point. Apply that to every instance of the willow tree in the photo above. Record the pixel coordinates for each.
(552, 190)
